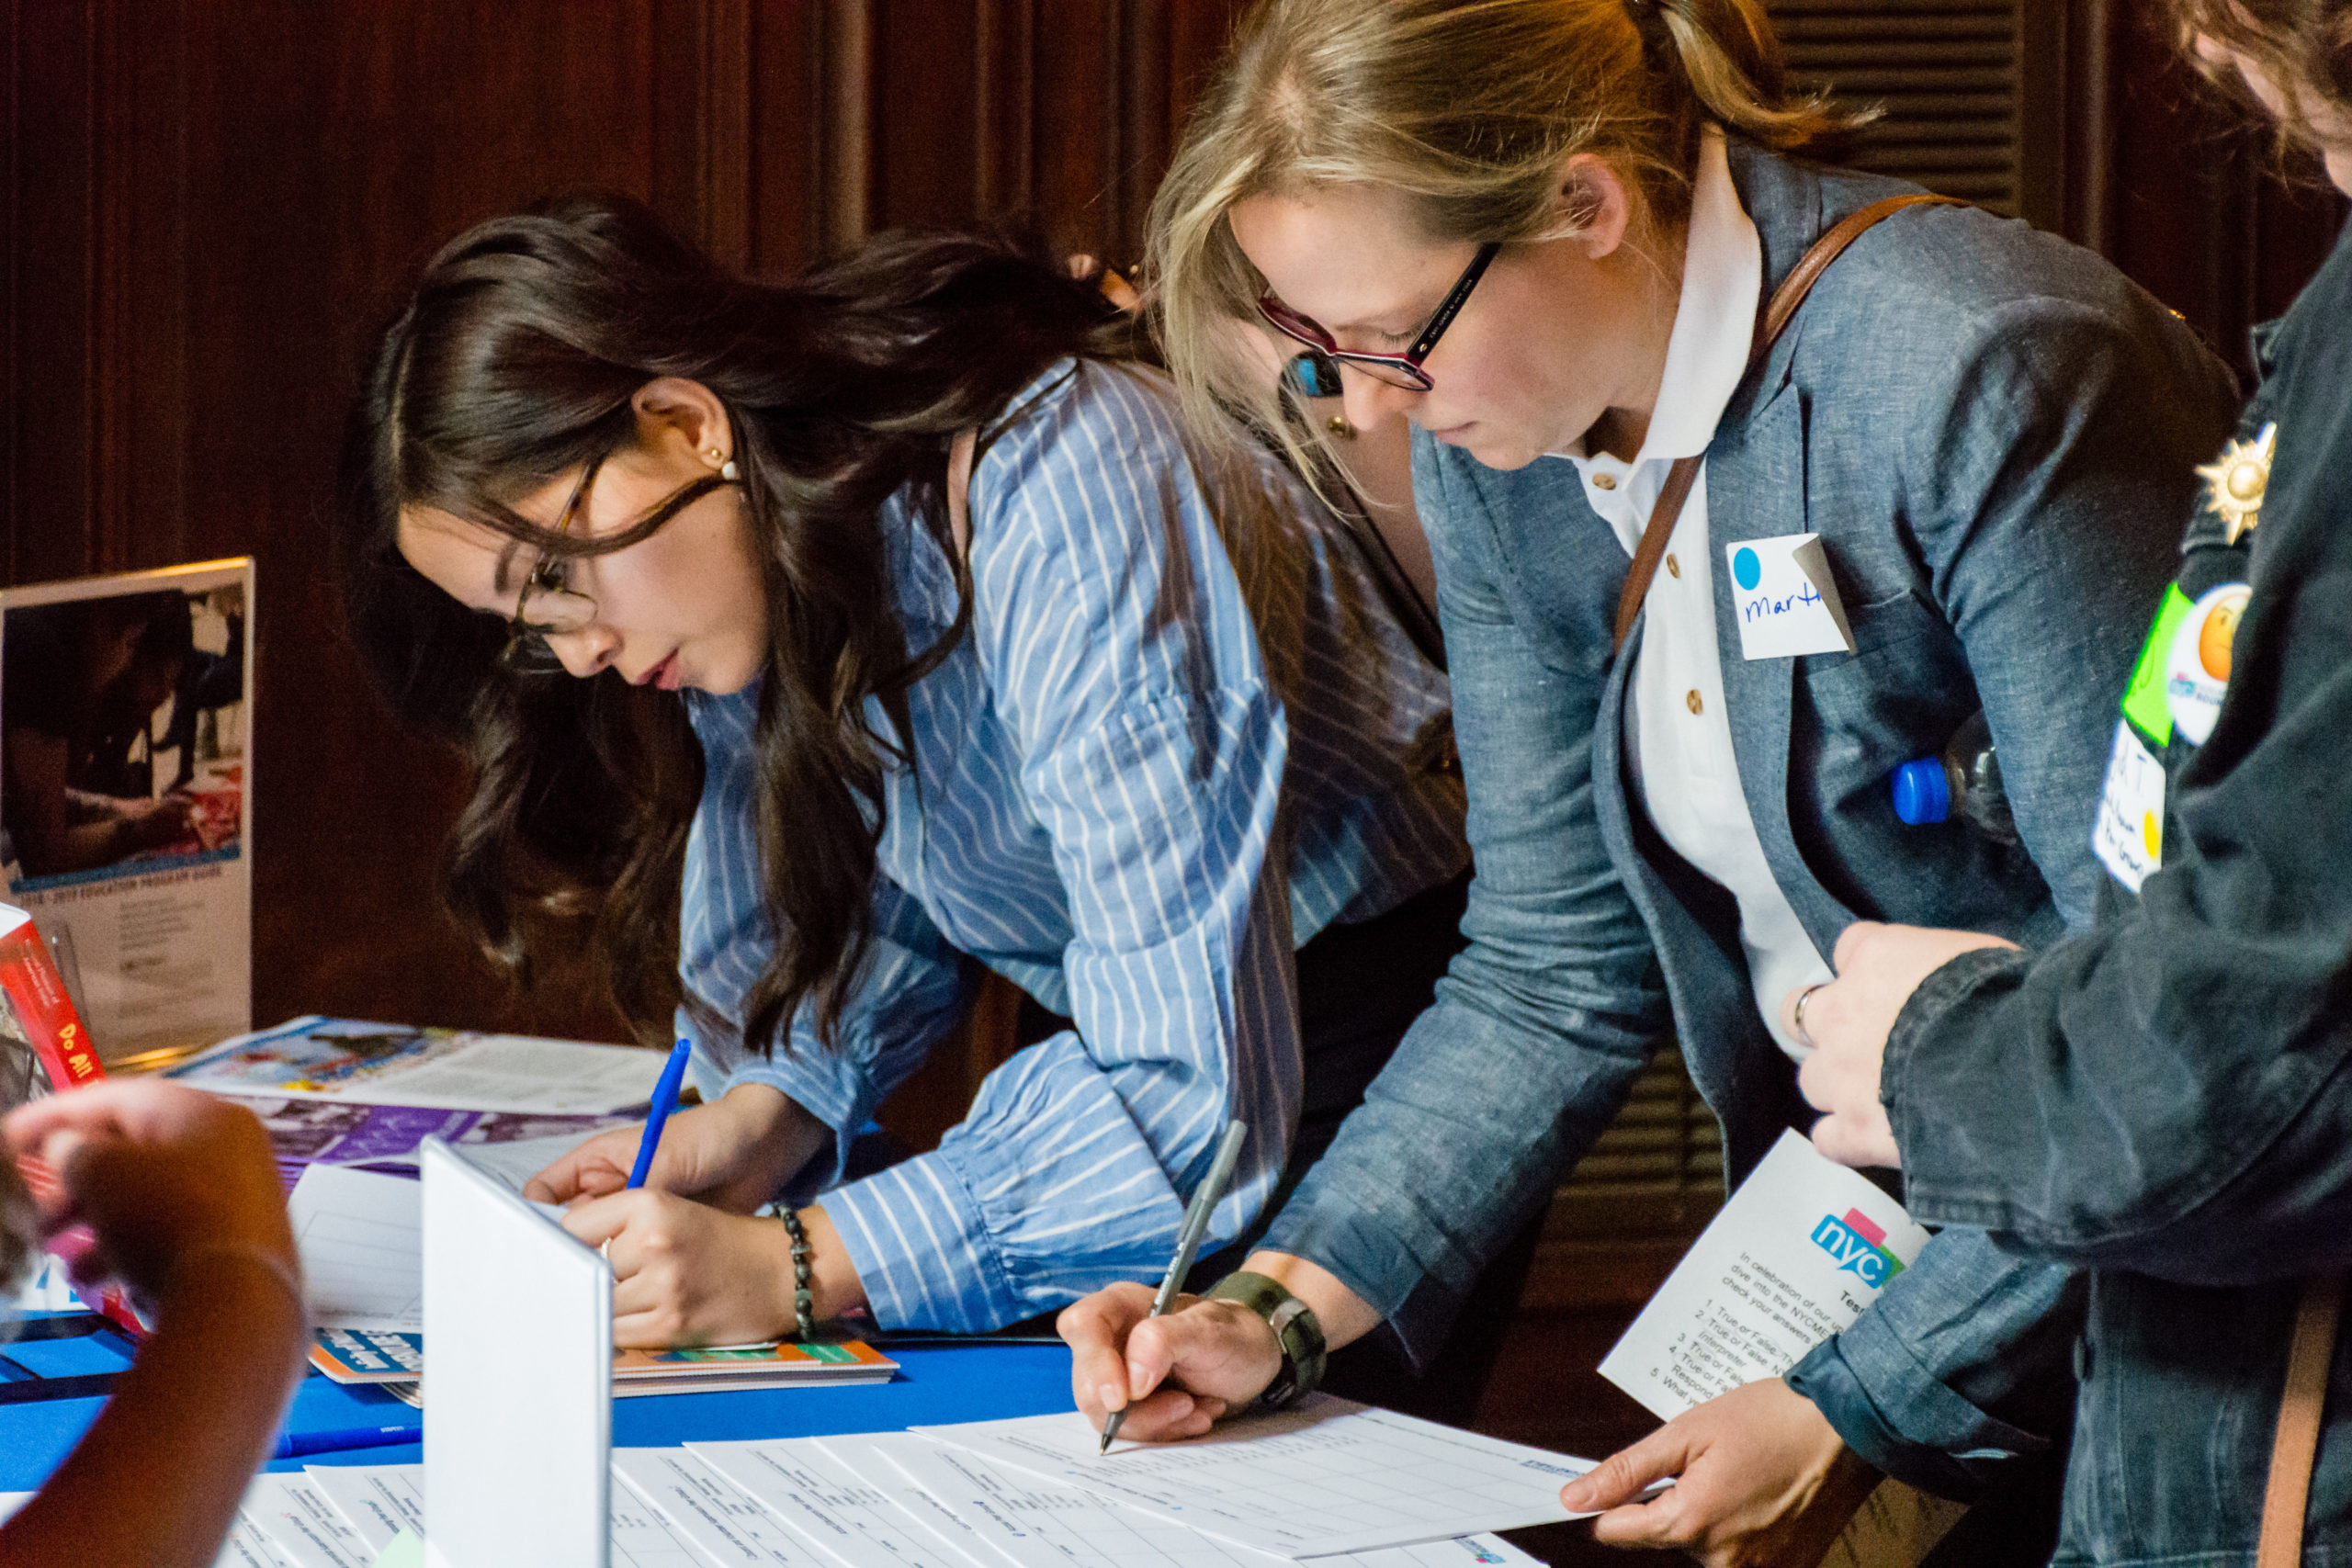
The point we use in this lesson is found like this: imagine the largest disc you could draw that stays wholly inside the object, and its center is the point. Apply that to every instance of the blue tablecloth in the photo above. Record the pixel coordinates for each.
(966, 1382)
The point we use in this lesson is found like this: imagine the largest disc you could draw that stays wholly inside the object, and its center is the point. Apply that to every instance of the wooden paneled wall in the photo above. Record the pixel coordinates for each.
(210, 205)
(2178, 188)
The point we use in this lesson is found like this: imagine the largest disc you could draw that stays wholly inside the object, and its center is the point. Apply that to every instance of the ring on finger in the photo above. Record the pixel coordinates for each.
(1796, 1015)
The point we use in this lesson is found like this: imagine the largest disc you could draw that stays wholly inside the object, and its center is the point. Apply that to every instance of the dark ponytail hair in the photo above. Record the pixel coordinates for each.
(515, 361)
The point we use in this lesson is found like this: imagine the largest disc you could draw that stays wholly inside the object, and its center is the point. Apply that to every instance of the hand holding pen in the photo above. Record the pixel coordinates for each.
(1205, 1198)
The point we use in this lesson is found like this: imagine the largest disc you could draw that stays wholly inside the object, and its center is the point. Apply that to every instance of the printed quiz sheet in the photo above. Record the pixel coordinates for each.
(331, 1517)
(1801, 1250)
(1032, 1522)
(362, 1240)
(875, 1500)
(1324, 1477)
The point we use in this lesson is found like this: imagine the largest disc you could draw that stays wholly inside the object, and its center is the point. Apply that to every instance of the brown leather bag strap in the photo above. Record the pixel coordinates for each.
(1785, 300)
(1652, 550)
(2296, 1443)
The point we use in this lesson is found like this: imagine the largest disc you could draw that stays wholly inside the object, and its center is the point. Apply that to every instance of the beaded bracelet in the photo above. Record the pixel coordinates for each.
(804, 1305)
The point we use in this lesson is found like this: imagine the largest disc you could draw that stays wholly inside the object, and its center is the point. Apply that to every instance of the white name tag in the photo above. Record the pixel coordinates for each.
(1783, 598)
(2128, 836)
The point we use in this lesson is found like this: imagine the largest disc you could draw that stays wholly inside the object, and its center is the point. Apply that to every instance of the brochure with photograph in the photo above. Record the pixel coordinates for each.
(398, 1063)
(126, 788)
(512, 1145)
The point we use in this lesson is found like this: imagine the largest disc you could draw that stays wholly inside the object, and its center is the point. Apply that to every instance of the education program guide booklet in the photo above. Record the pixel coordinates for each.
(126, 741)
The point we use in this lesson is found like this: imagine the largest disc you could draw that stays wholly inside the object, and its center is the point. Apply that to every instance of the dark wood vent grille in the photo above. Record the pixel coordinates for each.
(1947, 75)
(1660, 1162)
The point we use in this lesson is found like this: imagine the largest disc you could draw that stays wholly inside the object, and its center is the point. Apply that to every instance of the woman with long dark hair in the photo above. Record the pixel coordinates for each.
(1129, 726)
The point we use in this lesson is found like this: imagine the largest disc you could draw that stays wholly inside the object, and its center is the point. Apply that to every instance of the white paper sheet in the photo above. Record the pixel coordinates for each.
(376, 1500)
(356, 1493)
(867, 1456)
(362, 1239)
(1324, 1477)
(711, 1511)
(1801, 1250)
(829, 1505)
(12, 1501)
(1032, 1522)
(306, 1529)
(517, 1160)
(642, 1538)
(1461, 1551)
(248, 1548)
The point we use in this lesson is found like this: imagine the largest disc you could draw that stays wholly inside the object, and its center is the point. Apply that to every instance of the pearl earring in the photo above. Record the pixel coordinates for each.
(725, 464)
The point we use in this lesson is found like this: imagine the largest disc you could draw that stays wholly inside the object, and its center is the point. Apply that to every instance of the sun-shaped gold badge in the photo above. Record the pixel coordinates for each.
(2234, 482)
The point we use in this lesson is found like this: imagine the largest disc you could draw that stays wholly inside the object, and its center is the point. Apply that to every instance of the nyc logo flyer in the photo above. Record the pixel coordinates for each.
(1801, 1250)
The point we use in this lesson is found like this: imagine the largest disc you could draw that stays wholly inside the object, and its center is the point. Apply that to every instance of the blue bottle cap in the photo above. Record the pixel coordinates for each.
(1921, 791)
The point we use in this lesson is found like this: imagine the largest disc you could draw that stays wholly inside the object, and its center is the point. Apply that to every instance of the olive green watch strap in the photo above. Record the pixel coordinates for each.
(1295, 1329)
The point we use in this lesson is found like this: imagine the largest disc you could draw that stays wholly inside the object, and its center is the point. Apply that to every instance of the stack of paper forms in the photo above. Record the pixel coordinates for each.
(1328, 1481)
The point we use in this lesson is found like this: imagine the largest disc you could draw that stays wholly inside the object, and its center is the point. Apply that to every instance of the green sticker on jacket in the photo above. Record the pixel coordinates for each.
(2143, 699)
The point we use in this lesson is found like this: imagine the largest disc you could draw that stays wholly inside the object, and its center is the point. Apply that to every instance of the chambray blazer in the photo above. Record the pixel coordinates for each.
(1994, 434)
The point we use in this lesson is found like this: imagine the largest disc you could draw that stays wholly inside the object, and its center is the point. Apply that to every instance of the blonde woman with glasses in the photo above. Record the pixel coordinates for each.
(1559, 237)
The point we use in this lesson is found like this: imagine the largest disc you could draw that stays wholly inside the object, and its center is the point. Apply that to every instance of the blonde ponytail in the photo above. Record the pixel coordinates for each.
(1736, 72)
(1466, 109)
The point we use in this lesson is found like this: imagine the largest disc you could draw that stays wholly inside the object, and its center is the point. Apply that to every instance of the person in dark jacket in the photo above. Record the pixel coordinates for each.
(2168, 1097)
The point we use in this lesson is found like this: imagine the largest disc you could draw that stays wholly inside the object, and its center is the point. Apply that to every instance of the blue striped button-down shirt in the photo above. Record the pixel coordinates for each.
(1184, 735)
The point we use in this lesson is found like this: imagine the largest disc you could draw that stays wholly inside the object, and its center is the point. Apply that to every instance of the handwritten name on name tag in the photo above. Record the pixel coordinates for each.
(1784, 599)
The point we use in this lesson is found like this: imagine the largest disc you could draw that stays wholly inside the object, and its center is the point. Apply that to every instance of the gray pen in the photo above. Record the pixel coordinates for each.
(1205, 1198)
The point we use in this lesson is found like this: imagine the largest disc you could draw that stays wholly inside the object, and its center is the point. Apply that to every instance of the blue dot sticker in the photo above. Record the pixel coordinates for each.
(1746, 569)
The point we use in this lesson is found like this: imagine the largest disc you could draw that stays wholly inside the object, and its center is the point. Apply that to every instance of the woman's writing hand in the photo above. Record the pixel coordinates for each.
(684, 1273)
(1848, 1020)
(1173, 1375)
(733, 1154)
(1761, 1478)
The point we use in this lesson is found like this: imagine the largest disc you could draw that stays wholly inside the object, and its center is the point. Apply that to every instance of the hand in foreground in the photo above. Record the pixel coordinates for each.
(1848, 1019)
(1761, 1479)
(161, 1173)
(1176, 1375)
(684, 1273)
(732, 1154)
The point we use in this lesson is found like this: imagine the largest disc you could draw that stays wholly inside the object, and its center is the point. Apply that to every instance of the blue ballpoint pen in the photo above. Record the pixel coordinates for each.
(294, 1445)
(666, 1100)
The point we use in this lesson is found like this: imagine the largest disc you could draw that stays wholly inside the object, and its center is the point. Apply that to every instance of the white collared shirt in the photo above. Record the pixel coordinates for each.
(1677, 735)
